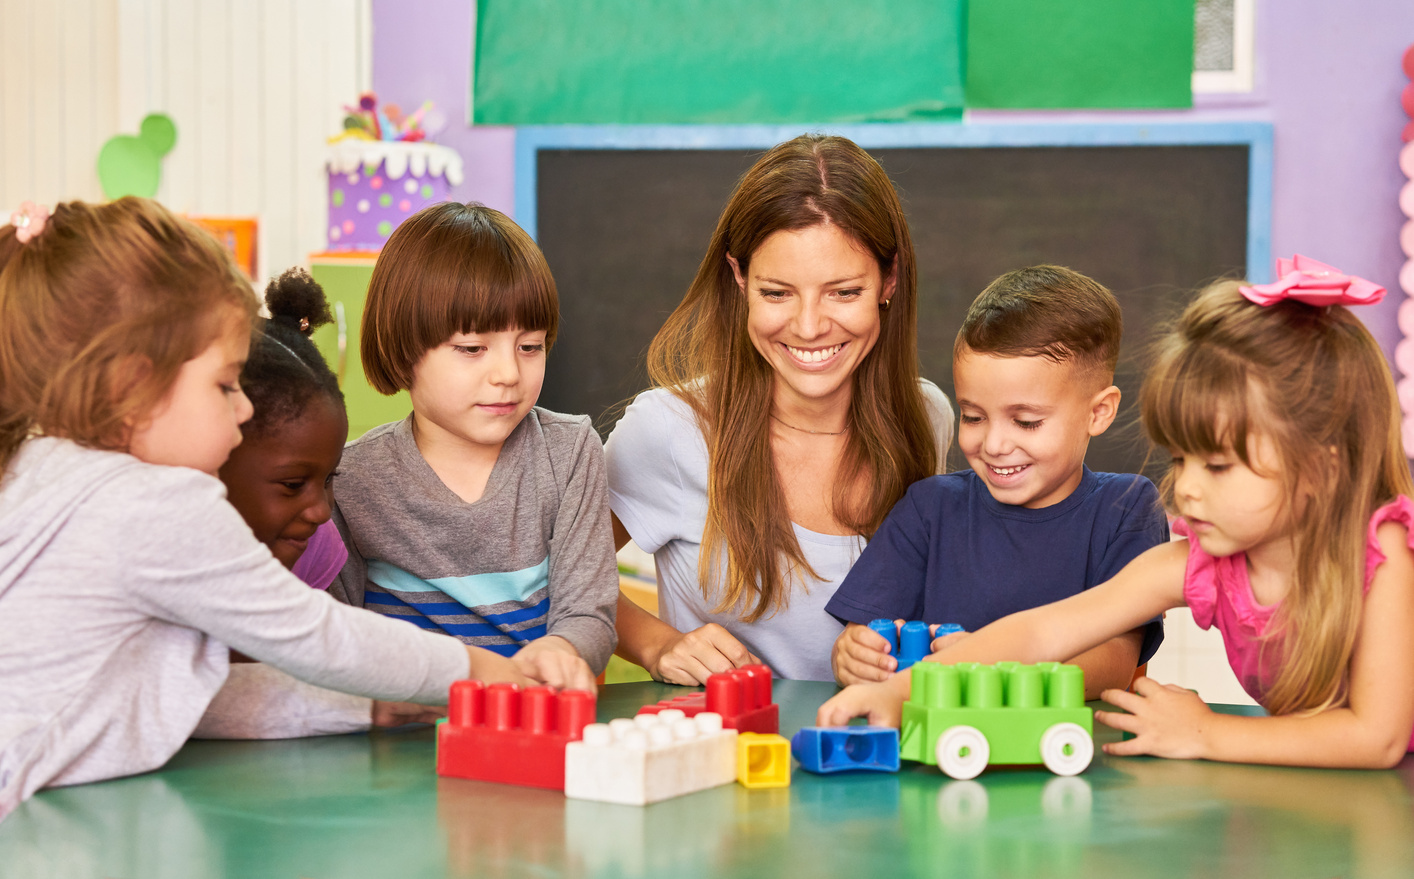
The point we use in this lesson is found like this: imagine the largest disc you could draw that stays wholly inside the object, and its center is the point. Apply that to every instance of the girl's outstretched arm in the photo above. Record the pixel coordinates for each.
(1146, 587)
(1370, 732)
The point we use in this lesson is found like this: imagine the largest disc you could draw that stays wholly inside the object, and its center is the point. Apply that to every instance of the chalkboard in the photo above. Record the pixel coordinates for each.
(624, 230)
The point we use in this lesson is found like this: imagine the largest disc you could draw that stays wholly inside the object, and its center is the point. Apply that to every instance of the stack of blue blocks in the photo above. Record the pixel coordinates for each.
(911, 643)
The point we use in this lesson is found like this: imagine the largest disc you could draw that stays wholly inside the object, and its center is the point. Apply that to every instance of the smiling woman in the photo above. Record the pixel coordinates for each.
(788, 417)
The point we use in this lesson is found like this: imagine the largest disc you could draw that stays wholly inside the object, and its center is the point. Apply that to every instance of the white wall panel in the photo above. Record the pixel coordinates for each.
(254, 86)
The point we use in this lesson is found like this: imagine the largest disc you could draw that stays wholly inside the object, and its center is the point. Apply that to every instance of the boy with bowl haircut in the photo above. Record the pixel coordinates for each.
(1029, 523)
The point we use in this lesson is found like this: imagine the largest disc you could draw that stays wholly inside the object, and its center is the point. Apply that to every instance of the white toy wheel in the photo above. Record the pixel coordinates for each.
(962, 752)
(1067, 749)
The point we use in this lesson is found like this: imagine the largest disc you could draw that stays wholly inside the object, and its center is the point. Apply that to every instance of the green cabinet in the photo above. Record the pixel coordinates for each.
(345, 282)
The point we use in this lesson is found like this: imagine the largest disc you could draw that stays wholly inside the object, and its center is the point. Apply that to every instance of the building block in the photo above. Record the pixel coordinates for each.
(742, 697)
(912, 641)
(498, 732)
(963, 717)
(762, 760)
(843, 748)
(650, 757)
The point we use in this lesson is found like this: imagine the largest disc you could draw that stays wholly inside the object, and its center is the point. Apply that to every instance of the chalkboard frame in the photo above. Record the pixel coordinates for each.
(1256, 136)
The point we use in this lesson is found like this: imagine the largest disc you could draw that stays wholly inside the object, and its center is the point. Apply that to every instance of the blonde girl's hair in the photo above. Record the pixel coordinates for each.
(704, 356)
(1314, 382)
(98, 313)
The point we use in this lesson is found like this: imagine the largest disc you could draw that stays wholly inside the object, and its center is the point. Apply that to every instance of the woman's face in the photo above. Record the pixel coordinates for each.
(813, 297)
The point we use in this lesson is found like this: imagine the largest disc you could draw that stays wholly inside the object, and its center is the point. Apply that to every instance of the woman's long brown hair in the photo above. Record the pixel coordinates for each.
(1314, 382)
(704, 355)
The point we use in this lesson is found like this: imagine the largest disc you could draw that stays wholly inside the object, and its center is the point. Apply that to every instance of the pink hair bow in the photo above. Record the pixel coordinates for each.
(1314, 283)
(28, 221)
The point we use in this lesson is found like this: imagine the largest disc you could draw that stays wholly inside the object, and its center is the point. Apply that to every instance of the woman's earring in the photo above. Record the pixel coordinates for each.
(884, 306)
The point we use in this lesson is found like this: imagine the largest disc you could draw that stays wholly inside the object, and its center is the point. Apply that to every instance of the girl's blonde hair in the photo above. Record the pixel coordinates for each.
(1314, 382)
(98, 313)
(704, 355)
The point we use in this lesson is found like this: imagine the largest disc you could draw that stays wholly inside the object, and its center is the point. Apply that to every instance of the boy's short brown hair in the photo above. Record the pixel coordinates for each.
(451, 268)
(1046, 311)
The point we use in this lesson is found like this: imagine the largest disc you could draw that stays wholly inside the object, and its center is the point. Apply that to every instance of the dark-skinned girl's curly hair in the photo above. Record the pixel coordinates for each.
(285, 371)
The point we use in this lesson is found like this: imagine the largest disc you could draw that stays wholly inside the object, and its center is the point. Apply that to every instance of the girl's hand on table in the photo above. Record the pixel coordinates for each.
(692, 657)
(1166, 720)
(389, 714)
(552, 660)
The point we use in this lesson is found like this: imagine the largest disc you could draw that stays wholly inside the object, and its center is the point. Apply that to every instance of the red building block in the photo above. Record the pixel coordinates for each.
(500, 733)
(742, 697)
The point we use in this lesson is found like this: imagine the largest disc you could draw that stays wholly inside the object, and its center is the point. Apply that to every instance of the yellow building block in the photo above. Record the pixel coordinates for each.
(762, 760)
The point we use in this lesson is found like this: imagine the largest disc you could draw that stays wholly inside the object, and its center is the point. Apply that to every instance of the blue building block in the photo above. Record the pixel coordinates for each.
(844, 748)
(911, 644)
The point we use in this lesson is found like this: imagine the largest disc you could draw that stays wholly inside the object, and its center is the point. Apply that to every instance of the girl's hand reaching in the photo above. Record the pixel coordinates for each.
(391, 714)
(1166, 720)
(552, 660)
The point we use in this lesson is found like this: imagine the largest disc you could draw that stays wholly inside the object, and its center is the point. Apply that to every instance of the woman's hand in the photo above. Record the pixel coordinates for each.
(689, 658)
(552, 660)
(388, 714)
(1166, 720)
(861, 656)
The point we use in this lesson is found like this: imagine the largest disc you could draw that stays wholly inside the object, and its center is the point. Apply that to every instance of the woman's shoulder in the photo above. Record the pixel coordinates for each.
(659, 418)
(933, 396)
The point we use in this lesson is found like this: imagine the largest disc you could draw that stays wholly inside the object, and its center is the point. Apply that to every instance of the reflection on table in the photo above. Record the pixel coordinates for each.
(352, 806)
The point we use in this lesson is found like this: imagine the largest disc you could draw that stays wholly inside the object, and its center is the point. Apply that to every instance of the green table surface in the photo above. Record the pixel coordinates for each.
(371, 805)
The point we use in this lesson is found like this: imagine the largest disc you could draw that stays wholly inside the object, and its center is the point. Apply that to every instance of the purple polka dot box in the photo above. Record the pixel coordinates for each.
(374, 185)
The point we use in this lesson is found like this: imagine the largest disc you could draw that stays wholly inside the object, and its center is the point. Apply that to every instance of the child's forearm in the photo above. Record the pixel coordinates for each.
(1112, 664)
(1333, 739)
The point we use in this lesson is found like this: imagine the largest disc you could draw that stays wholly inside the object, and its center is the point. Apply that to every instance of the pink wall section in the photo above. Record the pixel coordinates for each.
(1328, 78)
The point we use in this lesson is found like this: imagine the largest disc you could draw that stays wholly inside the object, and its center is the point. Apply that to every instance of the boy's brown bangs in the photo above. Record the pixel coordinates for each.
(1207, 412)
(492, 305)
(486, 289)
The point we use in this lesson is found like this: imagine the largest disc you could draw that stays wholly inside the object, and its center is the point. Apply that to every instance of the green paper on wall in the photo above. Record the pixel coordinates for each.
(717, 61)
(1039, 54)
(129, 165)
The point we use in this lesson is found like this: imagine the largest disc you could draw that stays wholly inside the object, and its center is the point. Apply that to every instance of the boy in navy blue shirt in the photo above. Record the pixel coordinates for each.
(1029, 523)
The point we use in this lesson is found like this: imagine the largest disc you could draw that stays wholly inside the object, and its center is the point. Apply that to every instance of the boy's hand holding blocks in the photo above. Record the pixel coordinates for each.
(870, 654)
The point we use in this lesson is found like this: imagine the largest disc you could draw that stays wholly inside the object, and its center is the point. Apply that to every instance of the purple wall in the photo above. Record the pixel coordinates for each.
(422, 51)
(1328, 78)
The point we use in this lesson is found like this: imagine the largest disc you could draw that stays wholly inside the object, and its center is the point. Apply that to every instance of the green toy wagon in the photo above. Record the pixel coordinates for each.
(963, 717)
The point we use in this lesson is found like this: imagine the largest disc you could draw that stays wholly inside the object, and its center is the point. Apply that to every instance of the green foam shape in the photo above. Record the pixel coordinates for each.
(159, 132)
(128, 166)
